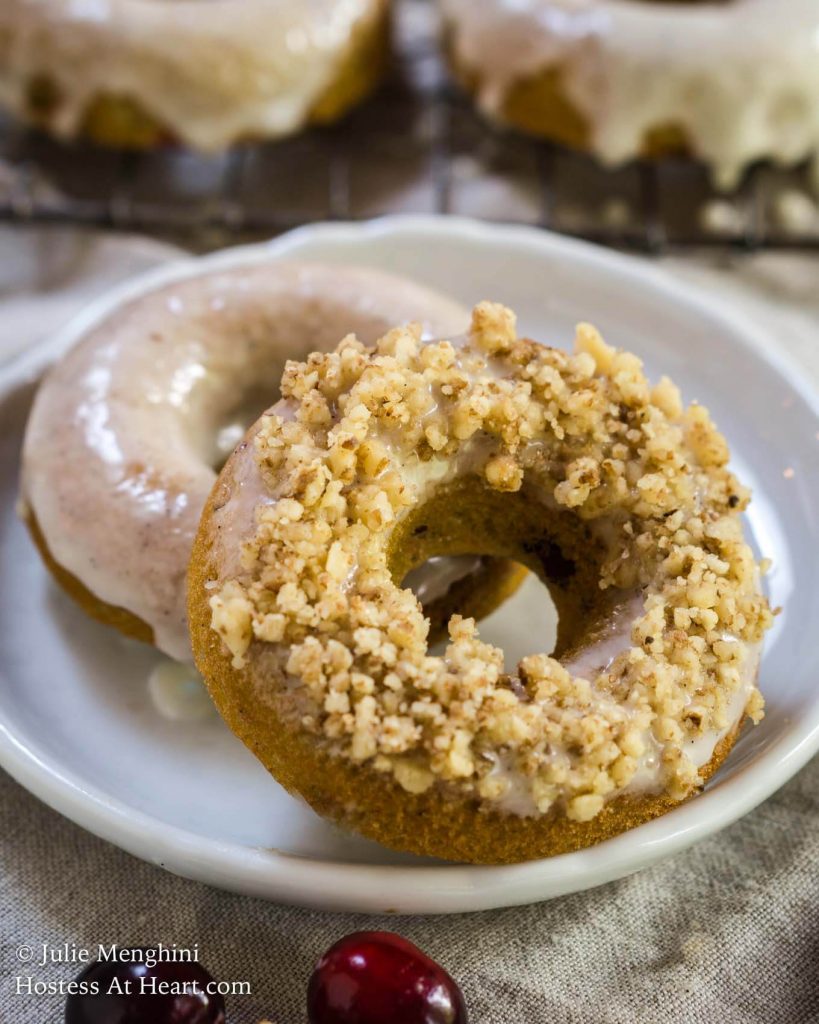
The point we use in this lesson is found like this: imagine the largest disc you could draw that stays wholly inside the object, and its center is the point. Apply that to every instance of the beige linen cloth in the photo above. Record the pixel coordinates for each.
(725, 933)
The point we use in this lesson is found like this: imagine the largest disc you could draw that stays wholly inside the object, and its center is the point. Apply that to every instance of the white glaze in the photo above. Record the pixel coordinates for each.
(214, 71)
(740, 78)
(121, 440)
(178, 692)
(612, 640)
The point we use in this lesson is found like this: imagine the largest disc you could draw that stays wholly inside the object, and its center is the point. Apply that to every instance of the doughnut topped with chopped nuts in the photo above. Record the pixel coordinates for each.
(380, 457)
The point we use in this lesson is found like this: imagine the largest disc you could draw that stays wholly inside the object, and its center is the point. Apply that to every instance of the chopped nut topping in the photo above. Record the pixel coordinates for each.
(363, 435)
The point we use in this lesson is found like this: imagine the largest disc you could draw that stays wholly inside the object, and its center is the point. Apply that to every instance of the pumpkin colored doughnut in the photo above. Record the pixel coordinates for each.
(140, 73)
(380, 457)
(730, 83)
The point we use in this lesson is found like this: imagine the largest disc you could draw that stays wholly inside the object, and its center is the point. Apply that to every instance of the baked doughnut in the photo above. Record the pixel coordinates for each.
(377, 458)
(135, 73)
(128, 429)
(730, 83)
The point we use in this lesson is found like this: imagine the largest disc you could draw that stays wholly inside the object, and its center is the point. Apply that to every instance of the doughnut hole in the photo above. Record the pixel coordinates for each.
(466, 519)
(513, 605)
(228, 398)
(234, 421)
(473, 585)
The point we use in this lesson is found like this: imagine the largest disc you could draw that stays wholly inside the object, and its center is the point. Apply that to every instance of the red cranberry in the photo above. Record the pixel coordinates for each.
(380, 978)
(117, 992)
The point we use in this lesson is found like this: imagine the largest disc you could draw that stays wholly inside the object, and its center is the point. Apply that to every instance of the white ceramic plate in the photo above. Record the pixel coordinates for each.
(78, 729)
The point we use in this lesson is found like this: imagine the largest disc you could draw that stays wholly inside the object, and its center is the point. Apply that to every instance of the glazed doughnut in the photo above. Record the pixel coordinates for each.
(378, 458)
(126, 429)
(136, 73)
(731, 83)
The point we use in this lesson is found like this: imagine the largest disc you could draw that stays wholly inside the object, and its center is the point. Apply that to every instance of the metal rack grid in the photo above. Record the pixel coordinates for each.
(418, 146)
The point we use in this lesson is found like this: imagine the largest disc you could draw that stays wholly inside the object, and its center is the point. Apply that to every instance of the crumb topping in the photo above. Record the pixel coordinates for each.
(363, 435)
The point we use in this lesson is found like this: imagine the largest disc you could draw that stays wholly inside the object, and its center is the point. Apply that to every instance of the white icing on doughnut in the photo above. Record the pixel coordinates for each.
(614, 638)
(740, 78)
(178, 692)
(123, 435)
(213, 72)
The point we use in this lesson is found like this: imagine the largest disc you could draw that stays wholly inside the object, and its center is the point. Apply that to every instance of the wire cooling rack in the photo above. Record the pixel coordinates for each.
(418, 147)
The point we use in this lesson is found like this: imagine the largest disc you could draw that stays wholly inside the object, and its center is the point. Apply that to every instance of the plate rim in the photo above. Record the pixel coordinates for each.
(434, 889)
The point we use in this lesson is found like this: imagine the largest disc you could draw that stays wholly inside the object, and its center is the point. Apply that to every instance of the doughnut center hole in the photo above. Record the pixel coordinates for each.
(232, 423)
(464, 551)
(517, 612)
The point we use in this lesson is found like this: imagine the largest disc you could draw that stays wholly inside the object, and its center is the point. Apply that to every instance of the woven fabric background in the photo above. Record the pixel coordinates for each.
(726, 933)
